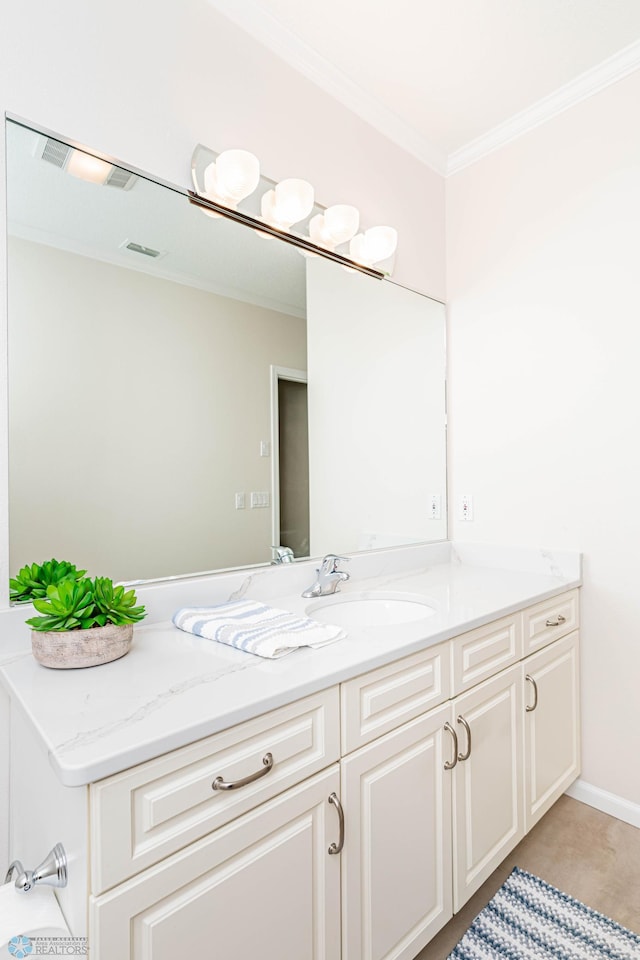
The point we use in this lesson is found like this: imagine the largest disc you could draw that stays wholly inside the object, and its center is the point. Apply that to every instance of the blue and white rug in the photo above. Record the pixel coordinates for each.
(529, 919)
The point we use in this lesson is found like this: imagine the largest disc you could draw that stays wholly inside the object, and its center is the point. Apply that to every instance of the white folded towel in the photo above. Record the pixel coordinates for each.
(256, 627)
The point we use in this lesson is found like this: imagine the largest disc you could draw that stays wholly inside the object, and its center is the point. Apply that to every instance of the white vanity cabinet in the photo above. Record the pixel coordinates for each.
(348, 825)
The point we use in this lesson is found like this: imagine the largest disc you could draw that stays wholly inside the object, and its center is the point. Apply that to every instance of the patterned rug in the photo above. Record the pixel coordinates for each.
(529, 919)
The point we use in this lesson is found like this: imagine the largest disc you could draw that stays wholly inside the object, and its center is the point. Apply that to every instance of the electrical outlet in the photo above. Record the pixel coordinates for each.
(466, 507)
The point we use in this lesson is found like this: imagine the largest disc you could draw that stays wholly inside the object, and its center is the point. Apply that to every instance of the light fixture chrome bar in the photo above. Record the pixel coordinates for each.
(291, 238)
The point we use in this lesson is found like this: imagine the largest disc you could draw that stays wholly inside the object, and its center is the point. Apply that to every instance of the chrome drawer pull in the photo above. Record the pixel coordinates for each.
(337, 847)
(556, 623)
(530, 709)
(450, 764)
(465, 756)
(220, 784)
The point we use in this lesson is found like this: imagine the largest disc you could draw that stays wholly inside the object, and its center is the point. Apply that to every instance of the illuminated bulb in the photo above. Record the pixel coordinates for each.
(356, 249)
(269, 211)
(318, 232)
(86, 167)
(238, 173)
(374, 245)
(232, 177)
(293, 201)
(380, 243)
(341, 222)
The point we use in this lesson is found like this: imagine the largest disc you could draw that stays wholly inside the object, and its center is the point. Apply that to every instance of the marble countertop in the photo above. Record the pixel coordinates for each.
(174, 688)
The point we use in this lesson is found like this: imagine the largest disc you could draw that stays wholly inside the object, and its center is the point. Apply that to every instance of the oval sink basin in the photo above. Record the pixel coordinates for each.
(370, 609)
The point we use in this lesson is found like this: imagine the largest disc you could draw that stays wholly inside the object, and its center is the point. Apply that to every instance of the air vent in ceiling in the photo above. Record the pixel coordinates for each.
(120, 179)
(139, 248)
(57, 153)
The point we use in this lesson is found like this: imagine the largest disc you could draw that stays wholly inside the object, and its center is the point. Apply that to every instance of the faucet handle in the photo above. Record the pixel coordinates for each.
(331, 561)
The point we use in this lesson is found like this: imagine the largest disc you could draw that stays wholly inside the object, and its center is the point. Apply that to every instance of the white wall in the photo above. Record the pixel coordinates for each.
(137, 407)
(377, 445)
(544, 309)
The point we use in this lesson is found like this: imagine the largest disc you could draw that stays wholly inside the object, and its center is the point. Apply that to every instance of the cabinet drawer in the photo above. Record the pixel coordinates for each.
(549, 620)
(383, 699)
(144, 814)
(481, 653)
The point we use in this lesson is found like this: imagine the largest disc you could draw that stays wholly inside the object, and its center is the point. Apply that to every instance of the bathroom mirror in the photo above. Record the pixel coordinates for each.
(185, 393)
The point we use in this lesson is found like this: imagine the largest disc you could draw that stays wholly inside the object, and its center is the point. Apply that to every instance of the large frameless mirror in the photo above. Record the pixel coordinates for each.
(185, 394)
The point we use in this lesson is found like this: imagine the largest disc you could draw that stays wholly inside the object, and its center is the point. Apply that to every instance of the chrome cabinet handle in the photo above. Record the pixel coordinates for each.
(337, 847)
(220, 784)
(558, 620)
(450, 764)
(465, 756)
(530, 709)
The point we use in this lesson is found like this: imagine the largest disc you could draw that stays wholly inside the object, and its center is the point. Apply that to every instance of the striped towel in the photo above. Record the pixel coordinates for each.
(256, 627)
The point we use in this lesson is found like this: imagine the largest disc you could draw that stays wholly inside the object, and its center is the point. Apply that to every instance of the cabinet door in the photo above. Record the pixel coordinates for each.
(487, 802)
(263, 886)
(396, 861)
(552, 725)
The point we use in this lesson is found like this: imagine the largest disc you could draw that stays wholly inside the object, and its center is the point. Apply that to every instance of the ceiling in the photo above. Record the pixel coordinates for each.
(449, 80)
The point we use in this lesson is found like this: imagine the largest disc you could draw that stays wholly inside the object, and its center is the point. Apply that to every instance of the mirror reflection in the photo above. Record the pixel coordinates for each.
(185, 394)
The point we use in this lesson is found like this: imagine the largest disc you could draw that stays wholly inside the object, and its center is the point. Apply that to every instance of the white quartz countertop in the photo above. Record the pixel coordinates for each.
(174, 688)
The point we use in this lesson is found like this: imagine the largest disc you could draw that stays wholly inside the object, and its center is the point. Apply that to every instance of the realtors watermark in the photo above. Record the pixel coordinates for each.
(23, 948)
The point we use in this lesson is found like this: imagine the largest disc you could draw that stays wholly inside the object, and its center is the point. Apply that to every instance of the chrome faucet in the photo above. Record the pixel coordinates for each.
(282, 555)
(328, 577)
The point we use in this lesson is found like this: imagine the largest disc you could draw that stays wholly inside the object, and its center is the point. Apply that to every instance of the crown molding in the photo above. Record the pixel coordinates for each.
(612, 69)
(301, 57)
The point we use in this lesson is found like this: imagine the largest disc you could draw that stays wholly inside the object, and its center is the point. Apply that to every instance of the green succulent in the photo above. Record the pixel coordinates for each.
(81, 604)
(32, 581)
(69, 606)
(116, 603)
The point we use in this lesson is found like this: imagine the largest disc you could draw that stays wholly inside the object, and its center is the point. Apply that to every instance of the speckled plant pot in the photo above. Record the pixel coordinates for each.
(69, 649)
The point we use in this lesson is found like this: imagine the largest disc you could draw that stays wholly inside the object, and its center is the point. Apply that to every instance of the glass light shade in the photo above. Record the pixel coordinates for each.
(237, 174)
(379, 243)
(318, 232)
(86, 167)
(294, 200)
(268, 209)
(341, 222)
(356, 249)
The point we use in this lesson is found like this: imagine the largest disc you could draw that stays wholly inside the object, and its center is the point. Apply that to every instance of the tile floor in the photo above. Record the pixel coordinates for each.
(587, 854)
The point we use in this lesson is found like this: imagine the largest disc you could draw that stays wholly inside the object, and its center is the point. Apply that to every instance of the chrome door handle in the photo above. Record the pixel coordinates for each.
(530, 709)
(220, 784)
(337, 847)
(450, 764)
(558, 620)
(465, 756)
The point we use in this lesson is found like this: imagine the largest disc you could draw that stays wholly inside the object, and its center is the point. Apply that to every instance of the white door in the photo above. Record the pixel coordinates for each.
(264, 886)
(487, 802)
(552, 725)
(396, 861)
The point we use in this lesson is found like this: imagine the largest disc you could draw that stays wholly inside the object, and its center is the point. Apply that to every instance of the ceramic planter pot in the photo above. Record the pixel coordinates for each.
(69, 649)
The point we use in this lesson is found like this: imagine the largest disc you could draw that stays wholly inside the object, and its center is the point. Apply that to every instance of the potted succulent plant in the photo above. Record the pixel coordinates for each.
(83, 622)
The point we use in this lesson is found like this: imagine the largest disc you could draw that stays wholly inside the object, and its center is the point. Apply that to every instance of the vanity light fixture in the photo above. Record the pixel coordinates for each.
(374, 245)
(338, 224)
(232, 177)
(290, 202)
(222, 181)
(84, 166)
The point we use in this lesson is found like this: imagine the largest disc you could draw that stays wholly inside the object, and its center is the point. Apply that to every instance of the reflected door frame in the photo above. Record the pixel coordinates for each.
(297, 376)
